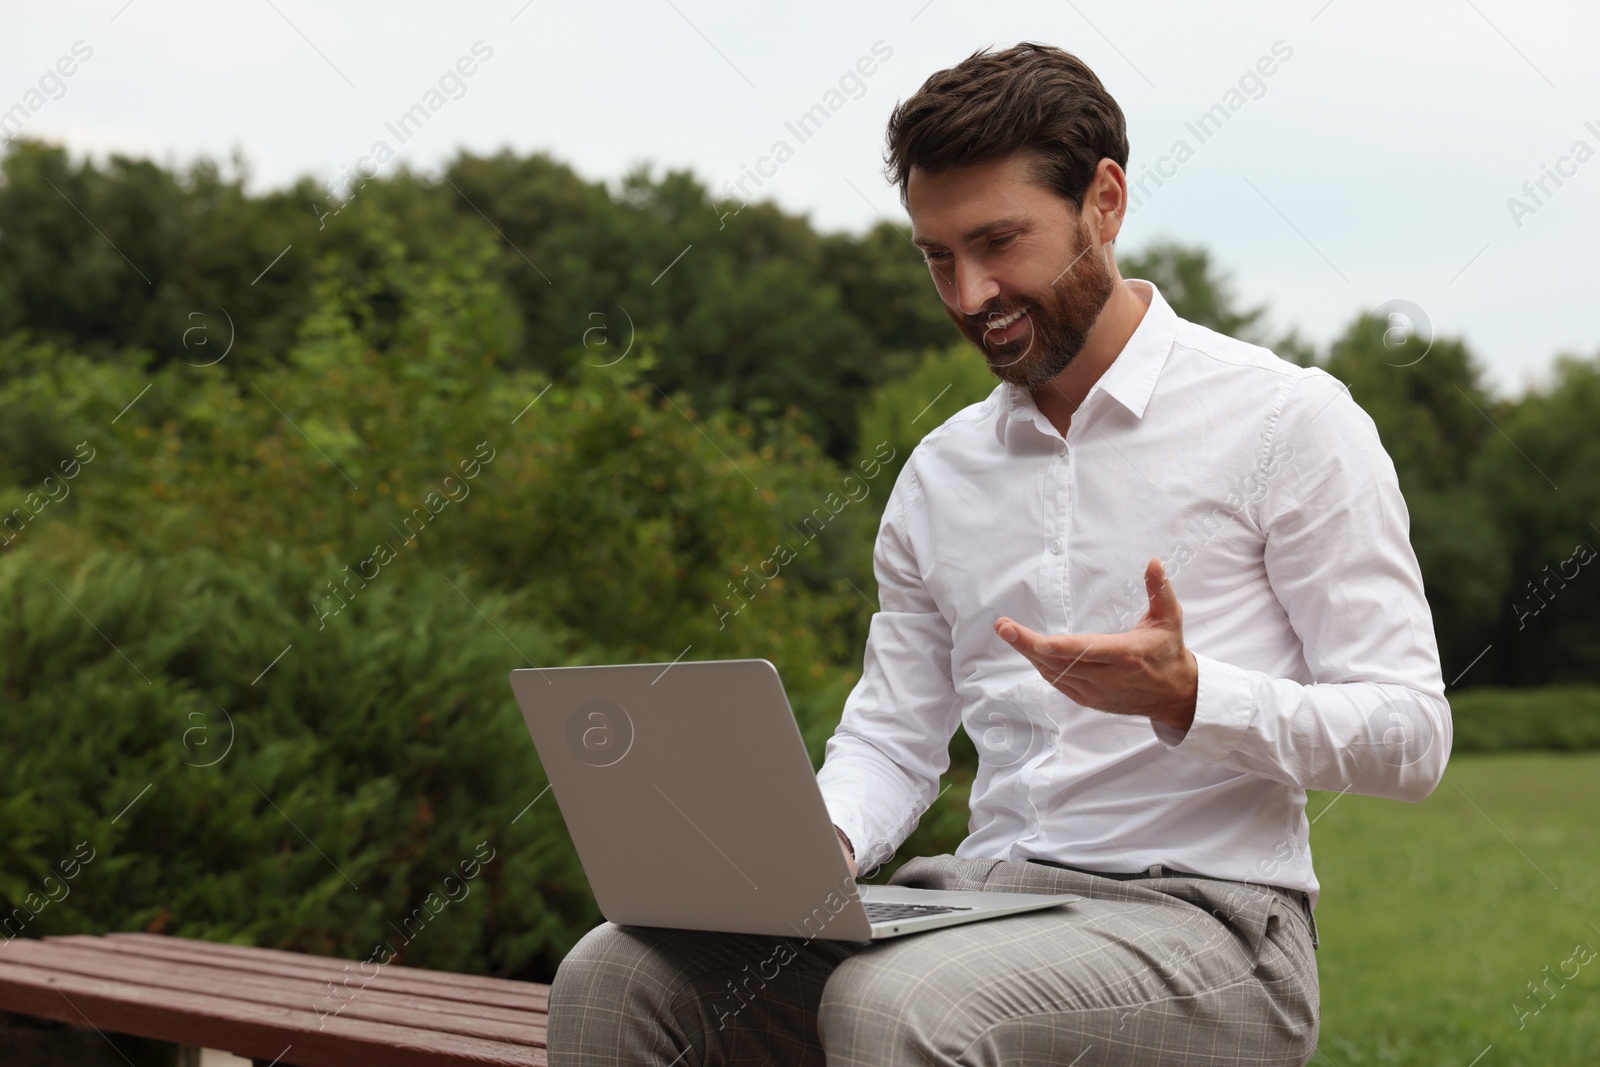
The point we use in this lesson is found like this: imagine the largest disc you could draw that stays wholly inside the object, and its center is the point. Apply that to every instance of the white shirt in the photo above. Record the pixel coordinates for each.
(1264, 489)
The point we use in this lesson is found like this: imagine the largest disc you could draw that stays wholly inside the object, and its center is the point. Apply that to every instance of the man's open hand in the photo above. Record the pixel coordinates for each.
(1146, 671)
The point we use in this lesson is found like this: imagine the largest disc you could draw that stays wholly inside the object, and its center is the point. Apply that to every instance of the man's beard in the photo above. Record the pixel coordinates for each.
(1058, 322)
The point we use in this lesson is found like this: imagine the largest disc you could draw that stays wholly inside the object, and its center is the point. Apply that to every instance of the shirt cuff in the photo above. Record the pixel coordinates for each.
(854, 831)
(1224, 707)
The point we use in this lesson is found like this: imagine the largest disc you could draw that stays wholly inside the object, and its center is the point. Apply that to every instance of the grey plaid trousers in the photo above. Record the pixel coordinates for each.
(1168, 970)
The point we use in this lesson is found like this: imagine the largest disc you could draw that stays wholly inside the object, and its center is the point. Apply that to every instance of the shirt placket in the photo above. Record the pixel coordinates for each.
(1056, 597)
(1062, 481)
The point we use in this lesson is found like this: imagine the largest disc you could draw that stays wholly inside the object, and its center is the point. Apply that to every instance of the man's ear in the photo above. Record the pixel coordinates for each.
(1108, 195)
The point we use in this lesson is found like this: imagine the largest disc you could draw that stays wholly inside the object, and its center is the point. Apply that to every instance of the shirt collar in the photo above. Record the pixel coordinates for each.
(1131, 378)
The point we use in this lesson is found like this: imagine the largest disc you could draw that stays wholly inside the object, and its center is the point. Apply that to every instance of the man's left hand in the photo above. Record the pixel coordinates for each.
(1145, 671)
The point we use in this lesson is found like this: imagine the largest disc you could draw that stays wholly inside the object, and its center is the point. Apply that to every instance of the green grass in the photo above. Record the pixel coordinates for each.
(1435, 917)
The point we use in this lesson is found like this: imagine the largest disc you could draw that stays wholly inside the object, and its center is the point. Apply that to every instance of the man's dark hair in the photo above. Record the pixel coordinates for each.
(1032, 98)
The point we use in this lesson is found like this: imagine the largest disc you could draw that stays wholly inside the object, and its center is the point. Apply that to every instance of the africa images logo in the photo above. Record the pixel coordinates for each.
(599, 732)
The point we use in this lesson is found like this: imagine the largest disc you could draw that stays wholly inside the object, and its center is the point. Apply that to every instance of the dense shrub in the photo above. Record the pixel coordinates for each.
(1551, 718)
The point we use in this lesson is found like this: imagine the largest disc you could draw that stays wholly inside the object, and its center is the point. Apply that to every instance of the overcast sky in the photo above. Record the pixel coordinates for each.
(1376, 162)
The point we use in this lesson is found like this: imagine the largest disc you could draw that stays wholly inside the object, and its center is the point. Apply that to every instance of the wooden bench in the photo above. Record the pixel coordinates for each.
(273, 1007)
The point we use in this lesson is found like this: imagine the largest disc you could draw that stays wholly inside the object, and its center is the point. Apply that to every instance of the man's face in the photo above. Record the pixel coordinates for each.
(1016, 267)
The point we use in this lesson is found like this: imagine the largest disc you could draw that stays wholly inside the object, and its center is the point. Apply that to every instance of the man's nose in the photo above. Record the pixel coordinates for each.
(974, 287)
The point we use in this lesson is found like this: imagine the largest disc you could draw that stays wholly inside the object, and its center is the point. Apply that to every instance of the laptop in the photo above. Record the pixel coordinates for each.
(692, 803)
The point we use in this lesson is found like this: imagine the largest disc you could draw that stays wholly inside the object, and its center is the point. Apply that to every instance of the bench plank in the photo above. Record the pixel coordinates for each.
(180, 990)
(461, 1017)
(308, 961)
(505, 994)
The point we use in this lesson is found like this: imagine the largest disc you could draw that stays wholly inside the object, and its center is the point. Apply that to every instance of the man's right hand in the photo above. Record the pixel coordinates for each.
(849, 855)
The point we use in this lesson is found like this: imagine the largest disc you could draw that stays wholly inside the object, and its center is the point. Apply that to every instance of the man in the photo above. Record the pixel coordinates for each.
(1163, 580)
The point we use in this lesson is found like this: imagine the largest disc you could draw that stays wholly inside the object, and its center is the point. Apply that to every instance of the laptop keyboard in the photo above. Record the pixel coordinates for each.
(879, 911)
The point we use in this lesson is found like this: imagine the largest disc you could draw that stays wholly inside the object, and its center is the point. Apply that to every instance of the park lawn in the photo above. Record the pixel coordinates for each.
(1434, 917)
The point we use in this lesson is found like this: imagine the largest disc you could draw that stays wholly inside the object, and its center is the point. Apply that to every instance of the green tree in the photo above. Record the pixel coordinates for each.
(886, 288)
(1540, 465)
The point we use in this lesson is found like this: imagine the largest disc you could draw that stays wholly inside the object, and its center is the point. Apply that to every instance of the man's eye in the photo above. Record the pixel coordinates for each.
(935, 257)
(1001, 242)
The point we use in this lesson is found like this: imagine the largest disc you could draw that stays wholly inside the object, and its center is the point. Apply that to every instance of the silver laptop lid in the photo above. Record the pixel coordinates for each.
(690, 798)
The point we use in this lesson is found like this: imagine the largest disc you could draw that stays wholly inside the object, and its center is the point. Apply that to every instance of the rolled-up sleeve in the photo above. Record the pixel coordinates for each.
(882, 765)
(1374, 720)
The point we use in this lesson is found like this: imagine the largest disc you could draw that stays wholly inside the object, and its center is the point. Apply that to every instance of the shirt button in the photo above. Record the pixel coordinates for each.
(1050, 739)
(1055, 546)
(1061, 448)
